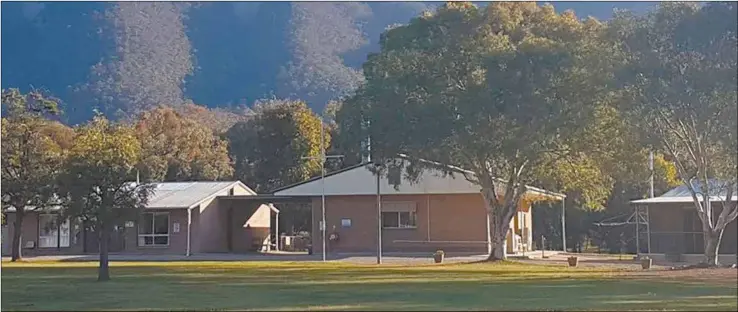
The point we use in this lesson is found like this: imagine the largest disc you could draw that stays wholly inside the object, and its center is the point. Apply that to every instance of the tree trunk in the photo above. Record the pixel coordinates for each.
(499, 226)
(497, 253)
(499, 219)
(712, 246)
(17, 244)
(103, 273)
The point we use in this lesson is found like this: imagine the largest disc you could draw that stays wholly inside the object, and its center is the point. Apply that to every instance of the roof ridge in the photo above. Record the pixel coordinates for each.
(193, 182)
(335, 172)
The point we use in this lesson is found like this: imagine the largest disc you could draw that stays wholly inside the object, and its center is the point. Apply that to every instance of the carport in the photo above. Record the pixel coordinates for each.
(236, 203)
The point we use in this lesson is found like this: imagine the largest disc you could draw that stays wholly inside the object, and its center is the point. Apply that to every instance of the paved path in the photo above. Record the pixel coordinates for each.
(389, 258)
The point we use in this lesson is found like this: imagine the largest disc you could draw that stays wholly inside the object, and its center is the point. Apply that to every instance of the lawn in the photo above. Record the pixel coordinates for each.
(334, 286)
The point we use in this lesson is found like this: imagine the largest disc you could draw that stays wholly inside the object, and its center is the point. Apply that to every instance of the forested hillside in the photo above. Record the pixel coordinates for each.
(126, 57)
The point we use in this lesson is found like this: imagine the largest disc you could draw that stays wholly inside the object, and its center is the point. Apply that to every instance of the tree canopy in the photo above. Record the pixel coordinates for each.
(267, 149)
(97, 184)
(33, 149)
(177, 148)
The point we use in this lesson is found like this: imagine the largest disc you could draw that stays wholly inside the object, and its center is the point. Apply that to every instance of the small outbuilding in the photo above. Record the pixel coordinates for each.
(674, 226)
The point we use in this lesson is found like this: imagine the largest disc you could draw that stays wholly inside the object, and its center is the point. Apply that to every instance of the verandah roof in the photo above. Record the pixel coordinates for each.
(681, 194)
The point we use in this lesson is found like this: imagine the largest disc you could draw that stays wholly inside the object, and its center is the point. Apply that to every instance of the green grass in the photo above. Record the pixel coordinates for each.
(332, 286)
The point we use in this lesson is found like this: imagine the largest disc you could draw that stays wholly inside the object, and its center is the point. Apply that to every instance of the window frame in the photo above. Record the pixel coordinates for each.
(412, 215)
(57, 237)
(142, 237)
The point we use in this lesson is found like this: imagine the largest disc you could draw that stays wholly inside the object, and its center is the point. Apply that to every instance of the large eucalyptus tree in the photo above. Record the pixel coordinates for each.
(514, 92)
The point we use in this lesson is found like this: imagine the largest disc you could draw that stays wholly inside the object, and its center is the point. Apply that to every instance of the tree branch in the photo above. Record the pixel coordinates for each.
(684, 176)
(664, 122)
(729, 211)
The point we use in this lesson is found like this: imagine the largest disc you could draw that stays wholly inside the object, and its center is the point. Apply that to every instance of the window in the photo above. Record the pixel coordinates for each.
(51, 233)
(399, 216)
(153, 230)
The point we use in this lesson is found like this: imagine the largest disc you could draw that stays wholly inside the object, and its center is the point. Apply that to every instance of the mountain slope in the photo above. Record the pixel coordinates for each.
(240, 52)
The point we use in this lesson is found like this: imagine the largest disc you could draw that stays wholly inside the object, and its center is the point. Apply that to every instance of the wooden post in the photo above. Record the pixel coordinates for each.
(543, 247)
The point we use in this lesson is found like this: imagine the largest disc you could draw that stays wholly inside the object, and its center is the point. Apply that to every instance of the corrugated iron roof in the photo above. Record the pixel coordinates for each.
(359, 180)
(172, 195)
(185, 194)
(715, 187)
(681, 194)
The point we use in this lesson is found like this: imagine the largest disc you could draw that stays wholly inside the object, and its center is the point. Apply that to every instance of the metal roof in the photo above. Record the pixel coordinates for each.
(265, 198)
(176, 195)
(187, 194)
(359, 180)
(681, 194)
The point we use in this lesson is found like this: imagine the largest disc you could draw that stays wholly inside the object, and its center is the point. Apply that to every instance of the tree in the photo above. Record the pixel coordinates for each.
(514, 93)
(218, 119)
(267, 149)
(682, 88)
(97, 183)
(337, 146)
(176, 148)
(32, 153)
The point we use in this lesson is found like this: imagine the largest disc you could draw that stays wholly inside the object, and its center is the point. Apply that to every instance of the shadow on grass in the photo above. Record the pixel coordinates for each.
(269, 272)
(454, 287)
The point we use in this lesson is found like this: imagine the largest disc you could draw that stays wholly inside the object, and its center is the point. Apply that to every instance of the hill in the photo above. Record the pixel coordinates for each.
(217, 54)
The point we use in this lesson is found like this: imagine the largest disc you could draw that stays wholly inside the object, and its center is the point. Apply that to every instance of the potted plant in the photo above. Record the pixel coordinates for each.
(573, 261)
(646, 263)
(438, 256)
